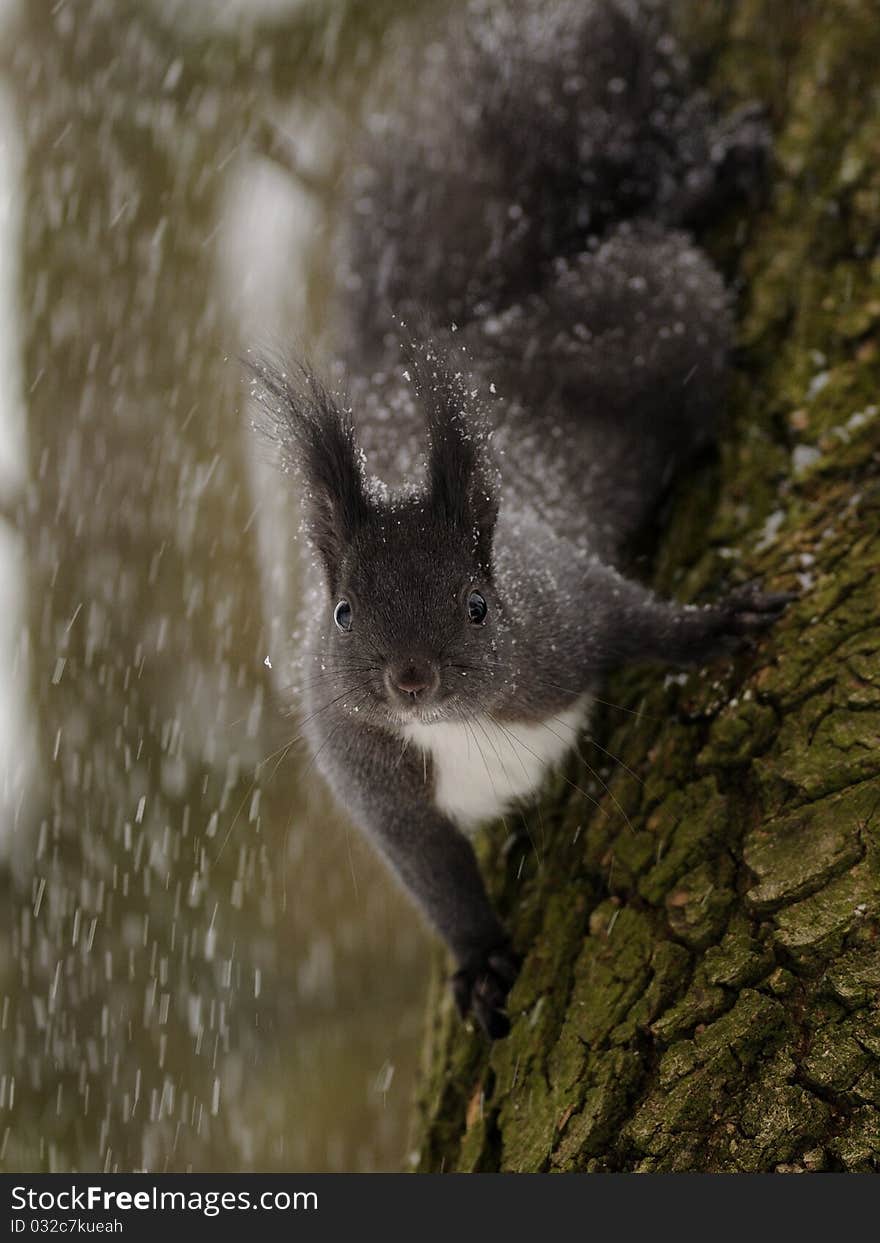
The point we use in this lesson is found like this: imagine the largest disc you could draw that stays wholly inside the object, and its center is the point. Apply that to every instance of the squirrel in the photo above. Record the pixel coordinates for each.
(531, 207)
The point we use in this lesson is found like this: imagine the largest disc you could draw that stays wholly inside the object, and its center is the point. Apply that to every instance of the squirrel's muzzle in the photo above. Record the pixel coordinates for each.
(412, 682)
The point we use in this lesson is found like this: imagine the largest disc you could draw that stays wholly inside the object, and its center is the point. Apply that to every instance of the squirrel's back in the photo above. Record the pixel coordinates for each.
(523, 198)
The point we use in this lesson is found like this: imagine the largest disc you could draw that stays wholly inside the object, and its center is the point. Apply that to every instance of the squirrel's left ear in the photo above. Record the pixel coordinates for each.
(461, 477)
(317, 440)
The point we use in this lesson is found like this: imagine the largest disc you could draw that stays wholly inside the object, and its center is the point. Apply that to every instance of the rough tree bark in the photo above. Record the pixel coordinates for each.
(702, 962)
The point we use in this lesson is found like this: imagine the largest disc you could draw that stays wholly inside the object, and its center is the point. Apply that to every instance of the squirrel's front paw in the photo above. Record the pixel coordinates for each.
(480, 987)
(742, 615)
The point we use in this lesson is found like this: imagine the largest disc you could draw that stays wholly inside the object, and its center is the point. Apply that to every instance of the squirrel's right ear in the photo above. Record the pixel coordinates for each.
(461, 480)
(318, 442)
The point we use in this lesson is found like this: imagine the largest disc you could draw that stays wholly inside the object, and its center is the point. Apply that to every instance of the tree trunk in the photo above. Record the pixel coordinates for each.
(702, 962)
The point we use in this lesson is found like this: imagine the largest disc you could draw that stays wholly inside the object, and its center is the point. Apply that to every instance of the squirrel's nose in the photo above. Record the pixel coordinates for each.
(413, 680)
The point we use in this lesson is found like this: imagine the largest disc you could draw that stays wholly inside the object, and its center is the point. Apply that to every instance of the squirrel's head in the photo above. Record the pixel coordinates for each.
(414, 628)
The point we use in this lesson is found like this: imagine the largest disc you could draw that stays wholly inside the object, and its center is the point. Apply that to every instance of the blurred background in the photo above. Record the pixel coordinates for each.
(201, 965)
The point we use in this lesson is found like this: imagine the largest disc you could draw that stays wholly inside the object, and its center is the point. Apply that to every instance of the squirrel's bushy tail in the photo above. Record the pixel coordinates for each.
(520, 131)
(534, 186)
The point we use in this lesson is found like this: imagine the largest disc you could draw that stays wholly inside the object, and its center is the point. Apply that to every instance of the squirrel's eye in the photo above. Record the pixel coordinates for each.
(342, 615)
(477, 608)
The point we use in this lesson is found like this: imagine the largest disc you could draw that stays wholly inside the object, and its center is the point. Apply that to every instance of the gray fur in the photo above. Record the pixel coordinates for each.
(533, 189)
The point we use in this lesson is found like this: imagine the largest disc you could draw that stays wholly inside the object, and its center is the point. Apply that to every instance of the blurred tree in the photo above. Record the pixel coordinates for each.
(167, 1006)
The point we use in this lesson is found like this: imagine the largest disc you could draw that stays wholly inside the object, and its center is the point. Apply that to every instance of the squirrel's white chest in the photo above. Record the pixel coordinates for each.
(480, 767)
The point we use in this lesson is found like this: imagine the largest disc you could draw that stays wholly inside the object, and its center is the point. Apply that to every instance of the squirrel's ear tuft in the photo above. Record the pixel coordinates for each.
(317, 440)
(461, 478)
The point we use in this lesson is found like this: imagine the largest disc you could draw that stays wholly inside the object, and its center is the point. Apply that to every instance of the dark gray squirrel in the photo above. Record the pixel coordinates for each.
(525, 209)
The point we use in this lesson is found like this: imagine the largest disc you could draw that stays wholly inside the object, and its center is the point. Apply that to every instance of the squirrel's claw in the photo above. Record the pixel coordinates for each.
(481, 985)
(750, 609)
(744, 614)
